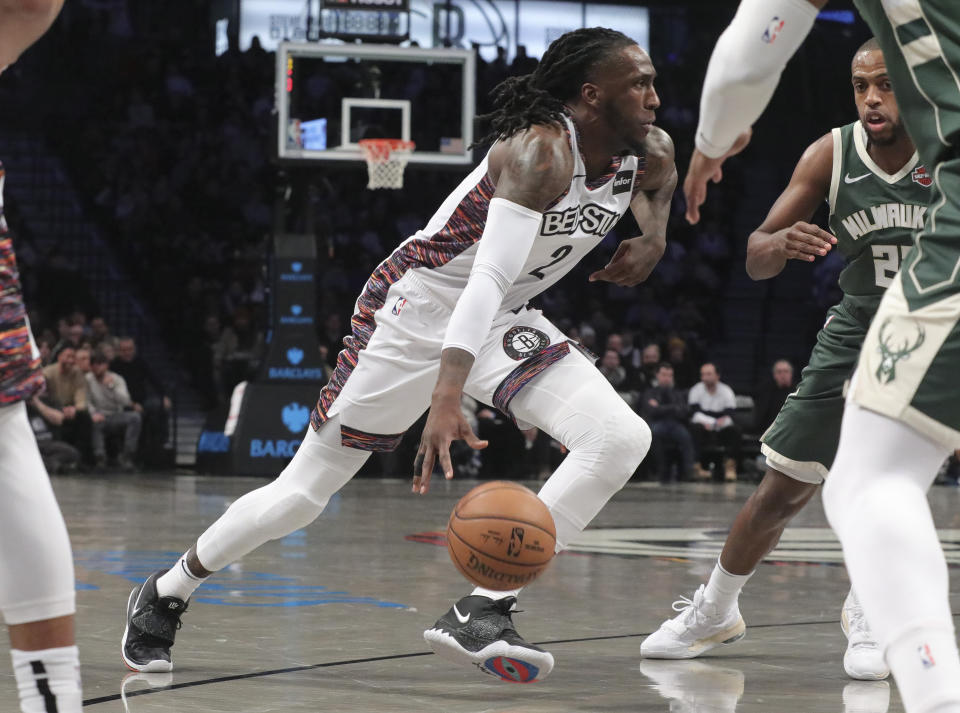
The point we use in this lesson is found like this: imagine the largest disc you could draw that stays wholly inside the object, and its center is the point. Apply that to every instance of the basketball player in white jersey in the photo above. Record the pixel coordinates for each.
(901, 418)
(446, 314)
(37, 598)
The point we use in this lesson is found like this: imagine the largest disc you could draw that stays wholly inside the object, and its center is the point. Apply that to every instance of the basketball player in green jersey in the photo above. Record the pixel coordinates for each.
(869, 174)
(902, 414)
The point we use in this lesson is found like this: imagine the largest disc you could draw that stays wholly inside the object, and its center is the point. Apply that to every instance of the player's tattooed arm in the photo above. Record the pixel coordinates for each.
(529, 170)
(635, 258)
(22, 22)
(533, 167)
(786, 233)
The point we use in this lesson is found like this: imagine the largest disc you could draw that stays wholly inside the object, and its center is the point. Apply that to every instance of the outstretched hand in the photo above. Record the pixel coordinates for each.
(445, 424)
(632, 262)
(805, 241)
(703, 169)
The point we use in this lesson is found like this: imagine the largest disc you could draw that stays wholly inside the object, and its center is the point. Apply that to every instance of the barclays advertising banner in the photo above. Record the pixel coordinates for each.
(292, 353)
(269, 415)
(273, 421)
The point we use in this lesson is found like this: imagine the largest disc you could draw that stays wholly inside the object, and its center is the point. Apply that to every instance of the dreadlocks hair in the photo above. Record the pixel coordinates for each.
(538, 97)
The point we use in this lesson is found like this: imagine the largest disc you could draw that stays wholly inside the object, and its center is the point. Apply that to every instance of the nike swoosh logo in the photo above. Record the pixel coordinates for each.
(847, 179)
(460, 617)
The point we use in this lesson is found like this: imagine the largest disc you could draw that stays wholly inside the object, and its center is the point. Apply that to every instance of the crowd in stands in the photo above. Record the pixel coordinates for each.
(103, 407)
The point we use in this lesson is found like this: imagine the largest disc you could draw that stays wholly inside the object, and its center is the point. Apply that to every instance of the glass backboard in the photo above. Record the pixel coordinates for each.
(330, 96)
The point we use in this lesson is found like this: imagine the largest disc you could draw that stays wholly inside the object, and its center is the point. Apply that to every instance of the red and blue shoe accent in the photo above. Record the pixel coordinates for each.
(478, 632)
(511, 670)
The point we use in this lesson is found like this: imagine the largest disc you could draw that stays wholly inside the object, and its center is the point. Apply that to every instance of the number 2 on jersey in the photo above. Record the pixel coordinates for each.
(886, 262)
(559, 254)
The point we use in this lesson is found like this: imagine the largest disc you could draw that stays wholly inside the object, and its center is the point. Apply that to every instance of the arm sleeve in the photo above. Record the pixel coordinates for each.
(745, 68)
(503, 249)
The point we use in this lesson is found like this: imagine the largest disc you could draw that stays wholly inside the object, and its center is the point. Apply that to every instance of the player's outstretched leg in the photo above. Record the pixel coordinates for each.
(712, 616)
(606, 440)
(876, 502)
(319, 469)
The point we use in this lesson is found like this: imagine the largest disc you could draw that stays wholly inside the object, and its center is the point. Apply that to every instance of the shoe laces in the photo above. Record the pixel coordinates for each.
(858, 630)
(505, 607)
(690, 610)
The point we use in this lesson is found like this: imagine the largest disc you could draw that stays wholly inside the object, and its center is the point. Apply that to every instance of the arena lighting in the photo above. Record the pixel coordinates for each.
(844, 17)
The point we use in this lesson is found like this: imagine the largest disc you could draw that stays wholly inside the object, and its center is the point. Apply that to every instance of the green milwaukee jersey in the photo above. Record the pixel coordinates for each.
(873, 215)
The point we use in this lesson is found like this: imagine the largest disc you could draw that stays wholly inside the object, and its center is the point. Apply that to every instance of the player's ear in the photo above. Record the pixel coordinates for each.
(590, 94)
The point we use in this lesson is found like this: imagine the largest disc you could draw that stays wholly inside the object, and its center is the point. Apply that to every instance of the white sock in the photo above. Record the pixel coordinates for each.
(926, 666)
(494, 594)
(179, 581)
(48, 680)
(723, 589)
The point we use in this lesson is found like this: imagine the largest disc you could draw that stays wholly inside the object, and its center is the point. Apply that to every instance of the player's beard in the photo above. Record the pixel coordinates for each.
(623, 128)
(888, 138)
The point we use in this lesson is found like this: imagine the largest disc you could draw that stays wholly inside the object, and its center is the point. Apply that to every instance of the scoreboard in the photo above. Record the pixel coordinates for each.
(383, 20)
(399, 5)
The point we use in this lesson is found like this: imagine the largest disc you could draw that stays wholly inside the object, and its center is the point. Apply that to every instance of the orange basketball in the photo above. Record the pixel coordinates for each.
(501, 535)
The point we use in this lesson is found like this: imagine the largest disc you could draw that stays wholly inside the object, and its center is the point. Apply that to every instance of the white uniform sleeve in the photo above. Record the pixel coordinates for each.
(745, 68)
(503, 249)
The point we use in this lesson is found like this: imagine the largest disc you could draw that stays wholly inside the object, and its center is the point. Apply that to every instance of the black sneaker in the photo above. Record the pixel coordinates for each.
(152, 624)
(478, 631)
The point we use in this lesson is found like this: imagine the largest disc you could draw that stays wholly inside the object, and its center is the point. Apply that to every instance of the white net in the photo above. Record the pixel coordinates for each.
(386, 159)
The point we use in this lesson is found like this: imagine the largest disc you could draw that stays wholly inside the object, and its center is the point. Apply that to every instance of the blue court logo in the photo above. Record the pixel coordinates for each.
(295, 355)
(296, 266)
(296, 309)
(295, 417)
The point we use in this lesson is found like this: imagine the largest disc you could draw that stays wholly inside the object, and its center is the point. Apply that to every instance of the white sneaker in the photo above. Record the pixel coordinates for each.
(863, 659)
(866, 697)
(695, 687)
(698, 628)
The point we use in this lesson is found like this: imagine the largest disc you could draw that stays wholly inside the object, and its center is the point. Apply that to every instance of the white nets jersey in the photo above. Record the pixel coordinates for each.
(443, 252)
(393, 352)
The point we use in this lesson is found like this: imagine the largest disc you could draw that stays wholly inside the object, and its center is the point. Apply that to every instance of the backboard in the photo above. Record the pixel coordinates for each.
(329, 96)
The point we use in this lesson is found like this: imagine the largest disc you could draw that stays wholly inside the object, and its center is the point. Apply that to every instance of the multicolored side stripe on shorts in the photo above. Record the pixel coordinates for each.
(363, 441)
(20, 374)
(519, 377)
(462, 229)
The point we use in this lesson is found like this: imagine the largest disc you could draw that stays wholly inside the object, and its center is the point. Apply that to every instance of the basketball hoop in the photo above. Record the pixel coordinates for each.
(386, 159)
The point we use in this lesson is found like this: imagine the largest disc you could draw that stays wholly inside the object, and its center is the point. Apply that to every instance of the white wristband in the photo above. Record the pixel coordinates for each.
(745, 68)
(503, 249)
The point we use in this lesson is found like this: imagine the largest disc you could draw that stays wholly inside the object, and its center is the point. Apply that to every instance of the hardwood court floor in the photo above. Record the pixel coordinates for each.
(330, 618)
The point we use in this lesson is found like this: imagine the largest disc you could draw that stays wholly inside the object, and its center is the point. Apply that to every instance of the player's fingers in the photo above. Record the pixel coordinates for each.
(797, 255)
(717, 175)
(816, 235)
(471, 439)
(617, 273)
(429, 457)
(417, 469)
(807, 242)
(695, 192)
(446, 465)
(806, 247)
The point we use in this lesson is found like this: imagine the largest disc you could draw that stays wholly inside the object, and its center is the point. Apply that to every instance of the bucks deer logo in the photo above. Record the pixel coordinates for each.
(890, 353)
